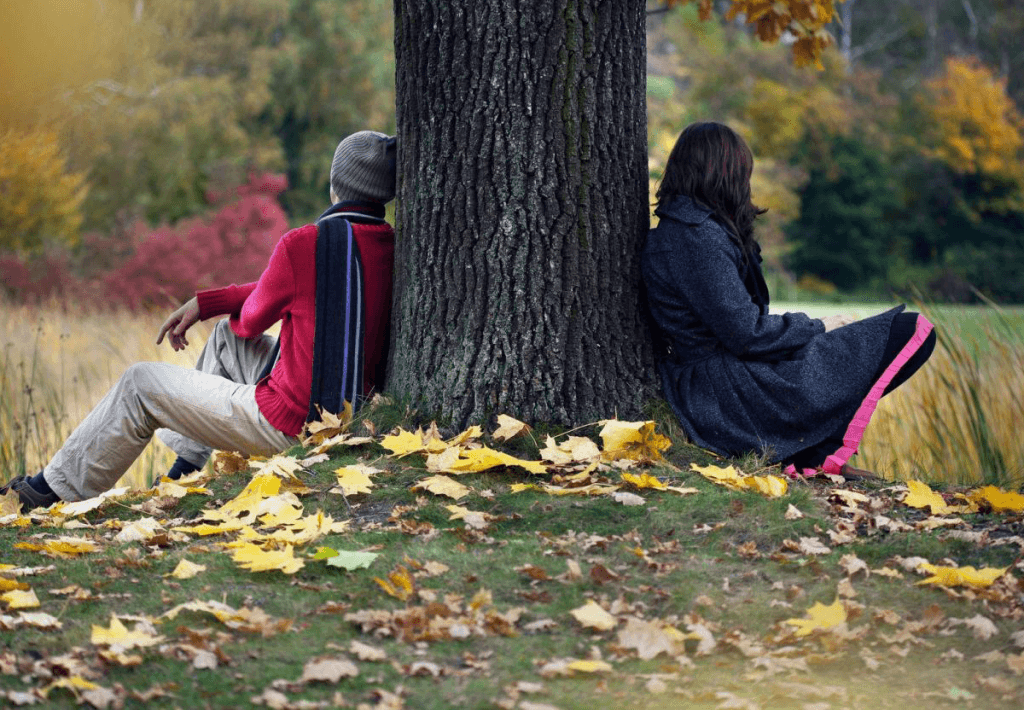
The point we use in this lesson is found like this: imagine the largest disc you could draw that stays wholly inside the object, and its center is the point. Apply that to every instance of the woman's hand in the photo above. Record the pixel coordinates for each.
(178, 323)
(837, 321)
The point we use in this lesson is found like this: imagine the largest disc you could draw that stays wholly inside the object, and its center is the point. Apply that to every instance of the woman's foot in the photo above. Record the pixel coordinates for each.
(850, 473)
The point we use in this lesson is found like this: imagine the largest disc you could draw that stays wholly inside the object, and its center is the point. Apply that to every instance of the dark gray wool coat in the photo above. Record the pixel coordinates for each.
(738, 378)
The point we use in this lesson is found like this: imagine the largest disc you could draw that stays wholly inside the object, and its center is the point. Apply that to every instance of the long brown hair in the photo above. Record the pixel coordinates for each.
(712, 165)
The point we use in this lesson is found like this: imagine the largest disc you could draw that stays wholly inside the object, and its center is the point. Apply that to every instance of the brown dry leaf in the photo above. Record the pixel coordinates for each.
(141, 530)
(1015, 663)
(852, 565)
(845, 589)
(474, 519)
(366, 652)
(793, 513)
(593, 616)
(812, 546)
(442, 486)
(328, 670)
(981, 627)
(628, 499)
(650, 638)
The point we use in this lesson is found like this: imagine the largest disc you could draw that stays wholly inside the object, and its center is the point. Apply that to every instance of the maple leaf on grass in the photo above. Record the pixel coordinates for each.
(574, 450)
(632, 440)
(186, 570)
(62, 547)
(120, 638)
(476, 520)
(961, 576)
(255, 559)
(919, 495)
(442, 486)
(329, 425)
(399, 583)
(482, 459)
(345, 559)
(593, 616)
(353, 480)
(508, 428)
(644, 480)
(328, 670)
(999, 500)
(731, 477)
(20, 599)
(820, 618)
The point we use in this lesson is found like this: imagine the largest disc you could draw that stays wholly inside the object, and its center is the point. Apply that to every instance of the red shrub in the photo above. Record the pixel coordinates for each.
(166, 265)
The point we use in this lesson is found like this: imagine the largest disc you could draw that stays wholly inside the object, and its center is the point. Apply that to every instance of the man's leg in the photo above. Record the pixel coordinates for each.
(225, 355)
(208, 409)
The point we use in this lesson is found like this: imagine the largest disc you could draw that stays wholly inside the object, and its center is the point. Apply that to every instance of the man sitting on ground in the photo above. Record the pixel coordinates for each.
(328, 283)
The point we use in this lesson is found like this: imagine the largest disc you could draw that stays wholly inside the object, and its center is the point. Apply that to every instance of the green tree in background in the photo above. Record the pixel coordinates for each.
(848, 231)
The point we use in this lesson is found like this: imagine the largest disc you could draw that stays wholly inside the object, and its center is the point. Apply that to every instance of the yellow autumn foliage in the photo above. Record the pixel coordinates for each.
(41, 199)
(979, 130)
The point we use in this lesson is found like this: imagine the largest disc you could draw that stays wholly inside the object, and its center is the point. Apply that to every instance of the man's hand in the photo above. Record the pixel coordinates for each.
(837, 321)
(178, 323)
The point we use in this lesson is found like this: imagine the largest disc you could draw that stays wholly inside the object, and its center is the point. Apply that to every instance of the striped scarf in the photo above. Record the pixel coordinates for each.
(338, 336)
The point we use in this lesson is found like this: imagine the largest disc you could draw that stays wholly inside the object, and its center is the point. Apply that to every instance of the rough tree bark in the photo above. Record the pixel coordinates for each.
(522, 204)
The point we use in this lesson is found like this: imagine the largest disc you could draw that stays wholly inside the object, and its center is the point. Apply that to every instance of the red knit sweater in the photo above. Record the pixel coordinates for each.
(286, 292)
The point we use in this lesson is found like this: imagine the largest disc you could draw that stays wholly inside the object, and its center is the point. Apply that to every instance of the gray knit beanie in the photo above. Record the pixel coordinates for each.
(364, 168)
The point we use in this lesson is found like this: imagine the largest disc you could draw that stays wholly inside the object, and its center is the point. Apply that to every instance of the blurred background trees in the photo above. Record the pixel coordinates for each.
(897, 164)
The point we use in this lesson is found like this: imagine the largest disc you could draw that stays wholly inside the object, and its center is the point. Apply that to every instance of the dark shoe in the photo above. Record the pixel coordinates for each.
(29, 496)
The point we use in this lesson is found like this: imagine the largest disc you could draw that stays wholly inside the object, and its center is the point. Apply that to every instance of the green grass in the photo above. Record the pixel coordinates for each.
(716, 558)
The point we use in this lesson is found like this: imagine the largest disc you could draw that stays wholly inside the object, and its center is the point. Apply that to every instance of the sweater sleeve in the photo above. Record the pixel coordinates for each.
(703, 271)
(270, 298)
(223, 301)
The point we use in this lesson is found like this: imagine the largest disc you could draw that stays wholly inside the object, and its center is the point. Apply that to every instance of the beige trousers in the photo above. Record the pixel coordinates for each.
(196, 411)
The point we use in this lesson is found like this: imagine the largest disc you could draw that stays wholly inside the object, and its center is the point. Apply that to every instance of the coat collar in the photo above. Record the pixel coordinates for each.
(683, 209)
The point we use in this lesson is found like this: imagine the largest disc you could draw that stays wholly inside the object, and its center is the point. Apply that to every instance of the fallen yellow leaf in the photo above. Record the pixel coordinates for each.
(731, 477)
(962, 576)
(120, 638)
(820, 617)
(186, 570)
(442, 486)
(999, 500)
(508, 427)
(482, 459)
(632, 440)
(644, 480)
(593, 616)
(404, 443)
(255, 559)
(476, 520)
(20, 599)
(399, 583)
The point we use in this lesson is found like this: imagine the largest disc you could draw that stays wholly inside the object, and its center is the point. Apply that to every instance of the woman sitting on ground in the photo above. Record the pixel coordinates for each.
(800, 390)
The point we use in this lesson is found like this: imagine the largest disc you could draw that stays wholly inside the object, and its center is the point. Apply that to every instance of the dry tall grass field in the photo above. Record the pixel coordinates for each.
(956, 421)
(56, 363)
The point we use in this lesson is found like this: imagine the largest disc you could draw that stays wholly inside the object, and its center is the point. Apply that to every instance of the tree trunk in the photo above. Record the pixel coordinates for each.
(522, 205)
